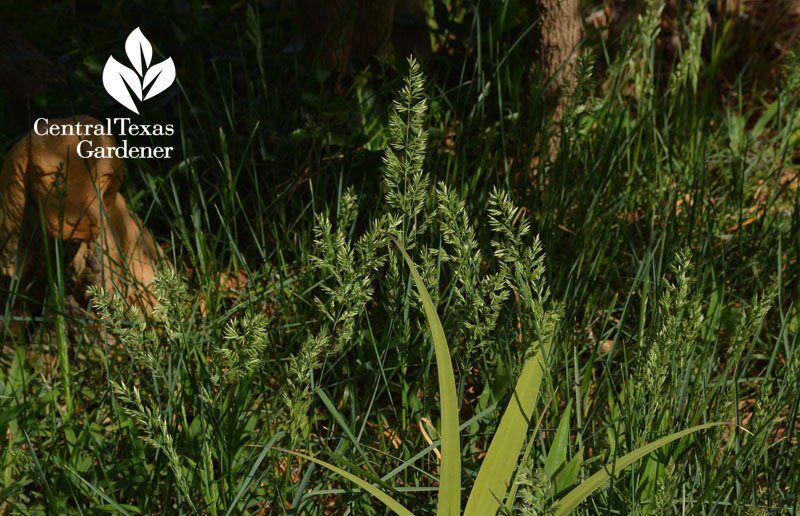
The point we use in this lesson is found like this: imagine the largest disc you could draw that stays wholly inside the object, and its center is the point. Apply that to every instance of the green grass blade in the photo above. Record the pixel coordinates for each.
(339, 418)
(512, 493)
(387, 500)
(557, 455)
(436, 443)
(450, 470)
(498, 466)
(566, 505)
(98, 492)
(567, 477)
(246, 482)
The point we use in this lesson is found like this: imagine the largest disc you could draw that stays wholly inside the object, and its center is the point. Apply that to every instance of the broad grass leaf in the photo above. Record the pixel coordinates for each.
(450, 471)
(498, 466)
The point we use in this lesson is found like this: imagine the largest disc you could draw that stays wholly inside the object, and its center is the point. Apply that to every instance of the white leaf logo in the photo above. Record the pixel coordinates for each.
(144, 81)
(115, 77)
(137, 46)
(161, 76)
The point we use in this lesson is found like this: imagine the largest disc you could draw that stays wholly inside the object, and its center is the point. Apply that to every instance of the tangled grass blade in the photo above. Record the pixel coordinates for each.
(387, 500)
(567, 504)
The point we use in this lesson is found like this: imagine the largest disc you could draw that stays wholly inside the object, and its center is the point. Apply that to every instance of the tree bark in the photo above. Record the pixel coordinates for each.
(327, 27)
(410, 32)
(336, 31)
(373, 34)
(553, 44)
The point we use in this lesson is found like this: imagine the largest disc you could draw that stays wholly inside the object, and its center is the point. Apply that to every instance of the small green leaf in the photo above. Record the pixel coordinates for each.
(567, 477)
(762, 122)
(93, 65)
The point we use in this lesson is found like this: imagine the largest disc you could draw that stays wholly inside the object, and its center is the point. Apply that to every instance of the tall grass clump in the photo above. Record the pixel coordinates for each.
(189, 407)
(520, 269)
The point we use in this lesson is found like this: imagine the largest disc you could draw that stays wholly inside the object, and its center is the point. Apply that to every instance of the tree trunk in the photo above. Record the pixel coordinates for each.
(336, 31)
(327, 27)
(410, 35)
(553, 44)
(373, 34)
